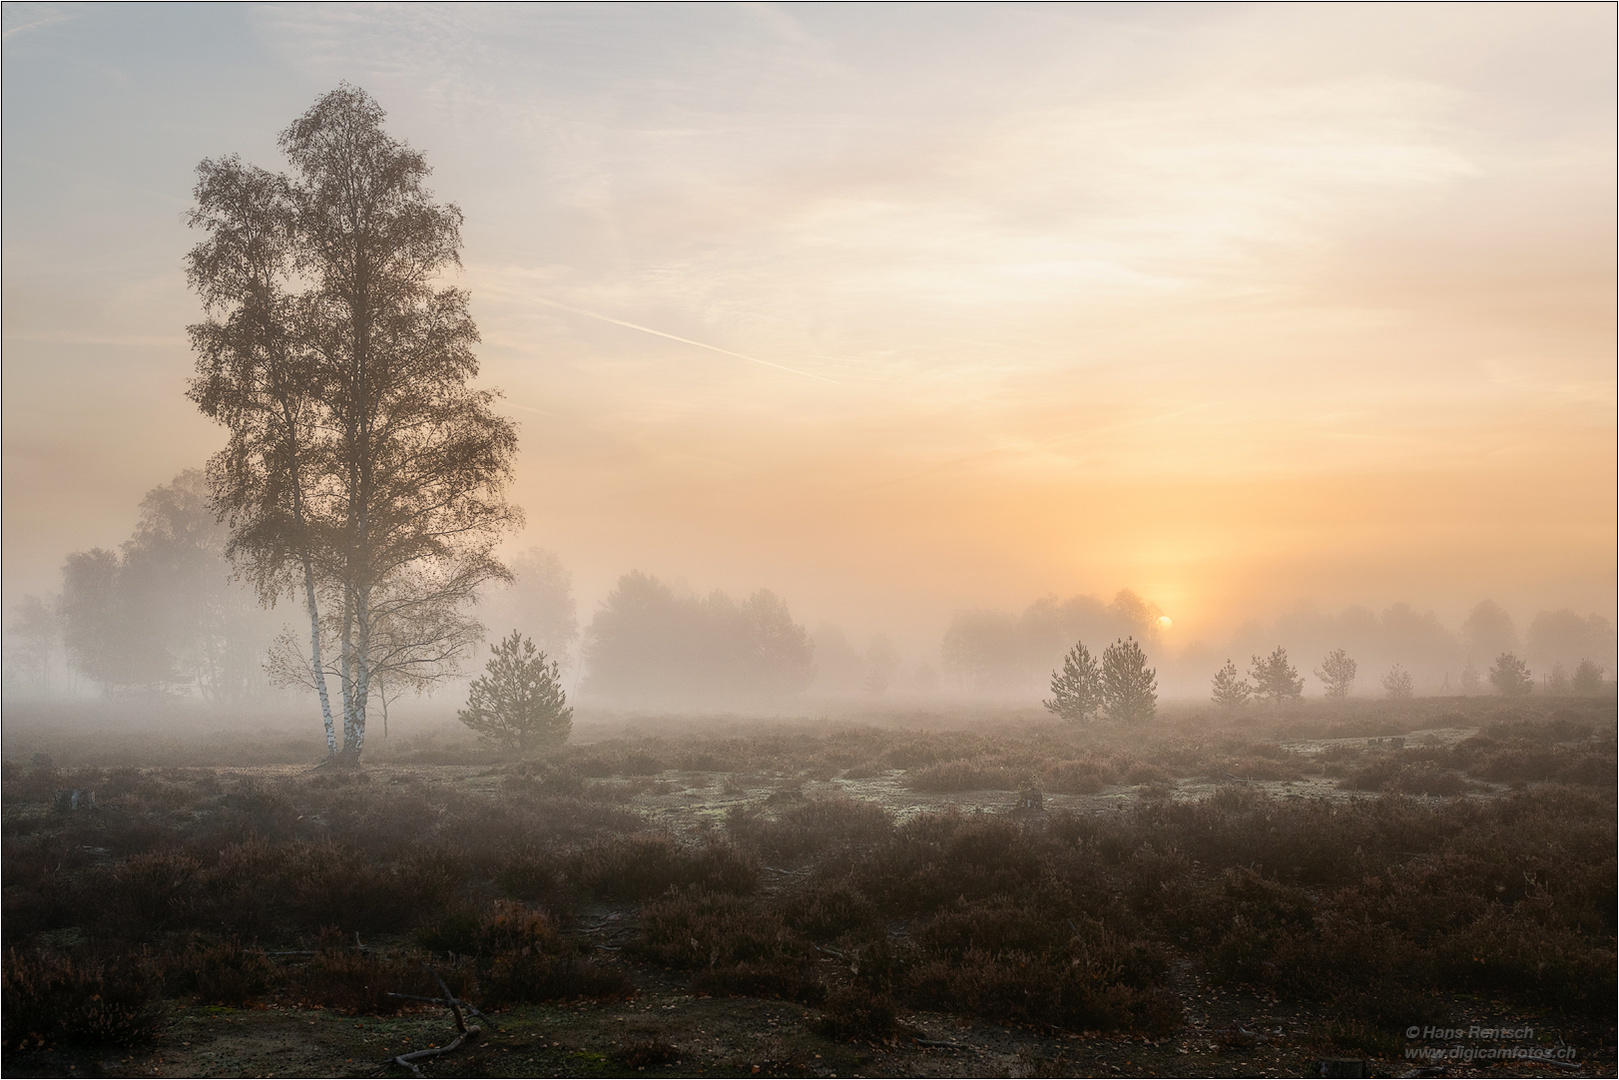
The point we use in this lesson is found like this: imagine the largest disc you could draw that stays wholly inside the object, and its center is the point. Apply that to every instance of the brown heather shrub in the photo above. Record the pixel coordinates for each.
(47, 999)
(641, 763)
(1407, 777)
(911, 753)
(1526, 764)
(349, 980)
(531, 976)
(1002, 925)
(855, 1013)
(1078, 777)
(759, 979)
(1504, 953)
(147, 890)
(216, 971)
(699, 929)
(822, 910)
(1428, 779)
(706, 761)
(934, 860)
(1195, 915)
(37, 785)
(650, 864)
(535, 877)
(809, 829)
(519, 955)
(328, 885)
(1085, 992)
(646, 1054)
(1145, 773)
(502, 928)
(39, 885)
(962, 775)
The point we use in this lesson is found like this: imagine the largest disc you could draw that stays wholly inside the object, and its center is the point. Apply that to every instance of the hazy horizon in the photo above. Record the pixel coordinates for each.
(899, 312)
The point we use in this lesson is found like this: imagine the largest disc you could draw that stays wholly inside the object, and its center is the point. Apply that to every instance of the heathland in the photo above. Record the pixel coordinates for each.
(961, 893)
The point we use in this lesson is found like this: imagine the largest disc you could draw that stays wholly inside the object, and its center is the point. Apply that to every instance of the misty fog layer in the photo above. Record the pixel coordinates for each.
(163, 616)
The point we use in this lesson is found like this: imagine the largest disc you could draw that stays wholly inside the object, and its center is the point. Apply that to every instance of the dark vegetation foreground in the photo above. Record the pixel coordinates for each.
(1198, 898)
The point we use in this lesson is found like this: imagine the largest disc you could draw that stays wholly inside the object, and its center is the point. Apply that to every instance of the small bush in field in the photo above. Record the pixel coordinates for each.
(50, 999)
(518, 702)
(504, 927)
(146, 891)
(1547, 965)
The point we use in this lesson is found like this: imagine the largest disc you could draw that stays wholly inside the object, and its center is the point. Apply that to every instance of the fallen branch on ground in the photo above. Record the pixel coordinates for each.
(407, 1060)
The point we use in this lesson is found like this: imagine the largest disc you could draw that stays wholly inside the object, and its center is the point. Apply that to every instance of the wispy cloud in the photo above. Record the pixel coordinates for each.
(676, 337)
(23, 18)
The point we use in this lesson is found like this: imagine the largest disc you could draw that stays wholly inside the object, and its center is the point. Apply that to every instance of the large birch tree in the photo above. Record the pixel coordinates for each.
(363, 473)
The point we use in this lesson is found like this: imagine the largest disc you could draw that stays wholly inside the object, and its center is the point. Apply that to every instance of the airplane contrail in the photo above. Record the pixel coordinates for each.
(686, 341)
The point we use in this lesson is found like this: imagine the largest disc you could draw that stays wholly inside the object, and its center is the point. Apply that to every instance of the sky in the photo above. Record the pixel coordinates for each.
(903, 310)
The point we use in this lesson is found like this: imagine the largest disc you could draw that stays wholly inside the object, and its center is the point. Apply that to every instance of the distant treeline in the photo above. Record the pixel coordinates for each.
(648, 643)
(161, 614)
(996, 652)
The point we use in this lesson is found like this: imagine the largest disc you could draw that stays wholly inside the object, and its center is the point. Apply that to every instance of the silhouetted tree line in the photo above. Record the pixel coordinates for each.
(649, 643)
(1272, 678)
(1431, 657)
(988, 651)
(842, 670)
(161, 614)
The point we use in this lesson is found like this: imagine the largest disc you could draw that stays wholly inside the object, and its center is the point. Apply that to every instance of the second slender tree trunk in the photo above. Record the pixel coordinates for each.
(316, 660)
